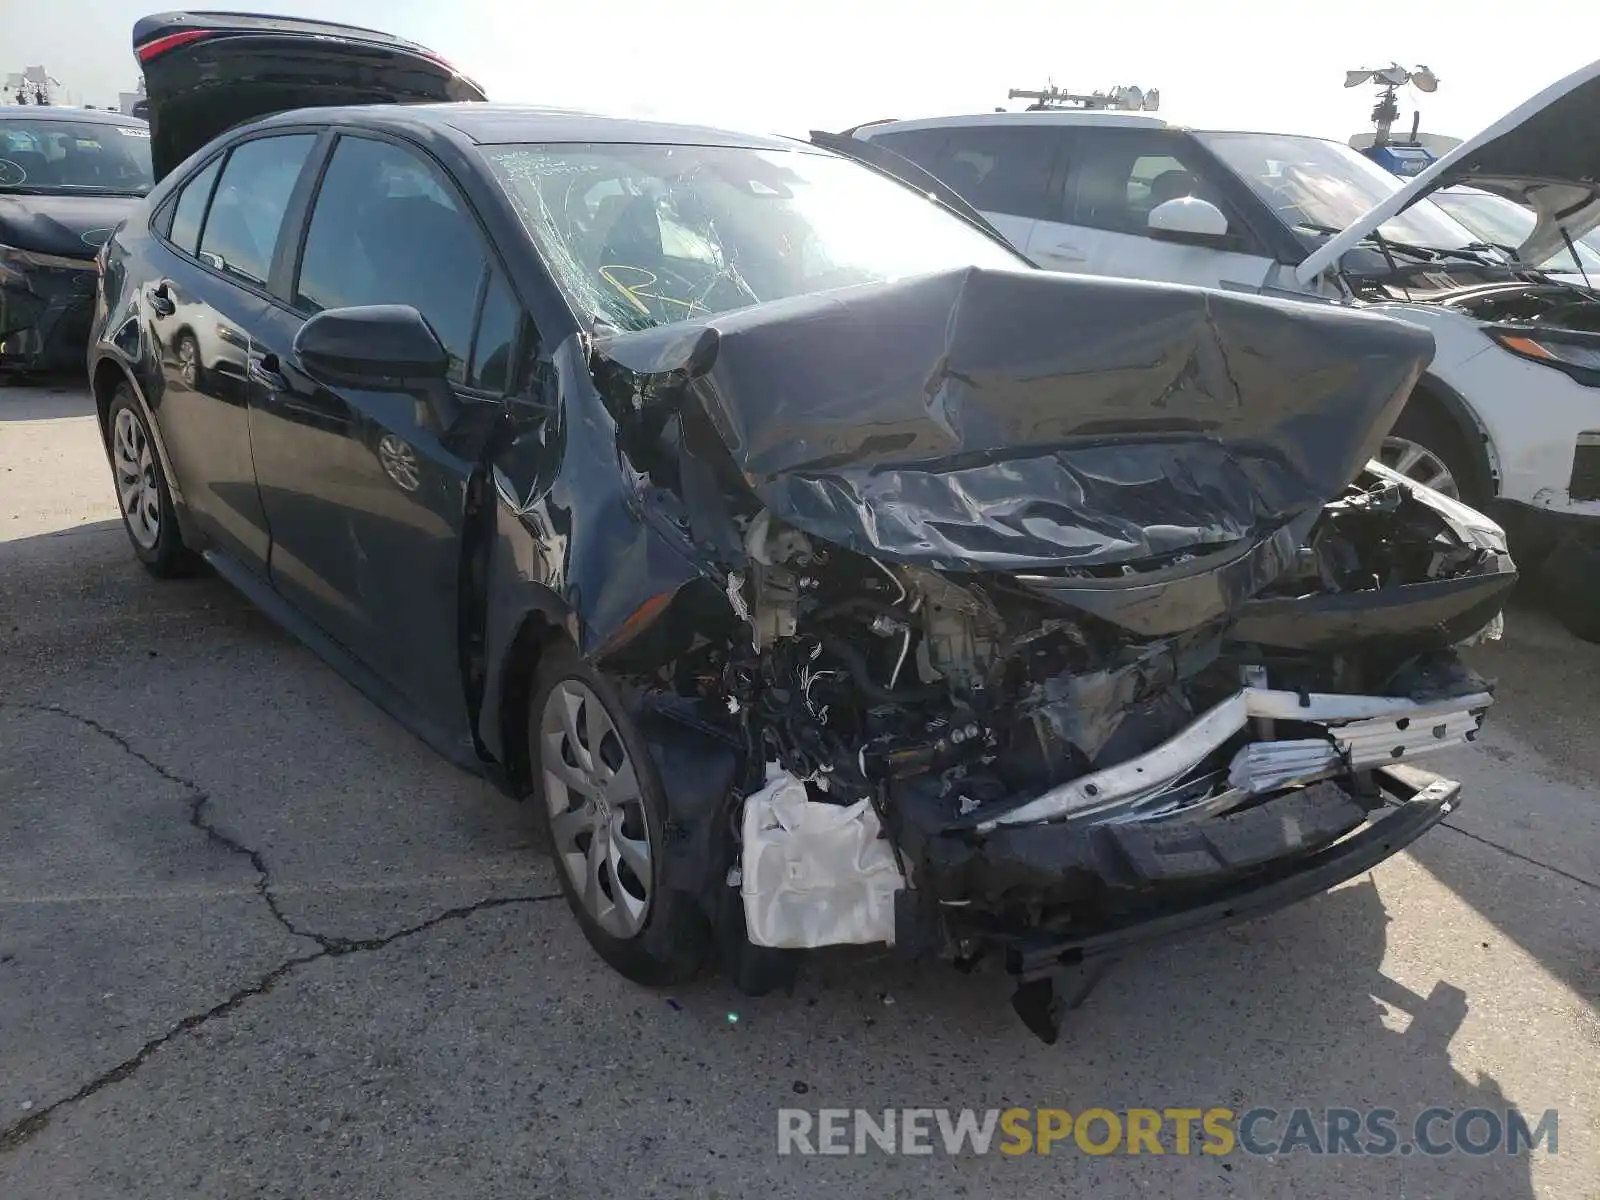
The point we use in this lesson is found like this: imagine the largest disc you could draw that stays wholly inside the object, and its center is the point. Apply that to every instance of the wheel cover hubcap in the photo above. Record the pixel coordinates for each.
(597, 817)
(137, 490)
(1419, 464)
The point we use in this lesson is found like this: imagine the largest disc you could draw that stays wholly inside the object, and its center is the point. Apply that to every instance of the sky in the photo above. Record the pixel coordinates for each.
(1245, 64)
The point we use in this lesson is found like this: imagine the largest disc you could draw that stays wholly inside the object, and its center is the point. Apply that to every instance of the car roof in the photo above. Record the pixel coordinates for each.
(1051, 116)
(50, 112)
(499, 124)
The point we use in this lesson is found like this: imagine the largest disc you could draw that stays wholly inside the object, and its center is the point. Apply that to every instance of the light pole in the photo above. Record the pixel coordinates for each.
(1389, 80)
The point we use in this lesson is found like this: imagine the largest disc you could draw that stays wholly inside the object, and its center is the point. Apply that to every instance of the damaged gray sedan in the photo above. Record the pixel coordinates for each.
(823, 573)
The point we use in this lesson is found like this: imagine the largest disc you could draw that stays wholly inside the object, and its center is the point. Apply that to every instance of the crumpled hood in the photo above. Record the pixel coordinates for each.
(1541, 154)
(983, 420)
(73, 226)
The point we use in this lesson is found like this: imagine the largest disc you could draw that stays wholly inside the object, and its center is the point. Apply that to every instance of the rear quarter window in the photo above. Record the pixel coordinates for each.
(189, 211)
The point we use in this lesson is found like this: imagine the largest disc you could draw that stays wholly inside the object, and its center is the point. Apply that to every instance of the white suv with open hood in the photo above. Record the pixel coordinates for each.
(1508, 415)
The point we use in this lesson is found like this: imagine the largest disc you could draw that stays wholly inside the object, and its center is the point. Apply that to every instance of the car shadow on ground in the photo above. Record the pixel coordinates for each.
(44, 398)
(1289, 1011)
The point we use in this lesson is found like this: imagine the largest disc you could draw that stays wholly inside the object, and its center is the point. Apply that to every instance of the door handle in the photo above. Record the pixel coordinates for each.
(161, 299)
(1065, 252)
(264, 369)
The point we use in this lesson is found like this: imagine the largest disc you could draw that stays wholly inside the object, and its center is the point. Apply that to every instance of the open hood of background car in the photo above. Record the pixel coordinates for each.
(980, 420)
(1540, 154)
(206, 72)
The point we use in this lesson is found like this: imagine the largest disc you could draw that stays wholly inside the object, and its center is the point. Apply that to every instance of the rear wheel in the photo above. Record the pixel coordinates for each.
(600, 804)
(142, 492)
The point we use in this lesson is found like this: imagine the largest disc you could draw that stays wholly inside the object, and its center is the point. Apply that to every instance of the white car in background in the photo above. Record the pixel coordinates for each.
(1507, 417)
(1506, 224)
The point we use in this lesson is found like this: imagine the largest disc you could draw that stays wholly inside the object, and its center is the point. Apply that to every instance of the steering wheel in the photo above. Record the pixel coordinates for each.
(11, 174)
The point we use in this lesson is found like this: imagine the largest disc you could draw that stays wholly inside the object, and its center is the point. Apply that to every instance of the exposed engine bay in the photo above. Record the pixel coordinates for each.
(1551, 305)
(854, 675)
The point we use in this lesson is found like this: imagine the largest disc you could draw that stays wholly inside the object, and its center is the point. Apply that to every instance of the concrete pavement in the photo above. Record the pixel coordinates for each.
(255, 940)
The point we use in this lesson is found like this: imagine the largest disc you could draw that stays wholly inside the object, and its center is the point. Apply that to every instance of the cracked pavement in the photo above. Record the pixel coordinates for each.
(256, 940)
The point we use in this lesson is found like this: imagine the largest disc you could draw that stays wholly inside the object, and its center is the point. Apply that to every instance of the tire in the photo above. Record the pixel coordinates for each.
(143, 496)
(666, 942)
(1422, 428)
(1570, 581)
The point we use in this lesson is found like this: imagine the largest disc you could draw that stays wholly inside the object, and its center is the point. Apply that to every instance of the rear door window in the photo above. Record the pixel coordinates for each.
(921, 146)
(246, 214)
(386, 228)
(1003, 169)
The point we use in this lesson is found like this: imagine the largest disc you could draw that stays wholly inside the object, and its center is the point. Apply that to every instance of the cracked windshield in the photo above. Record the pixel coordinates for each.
(645, 235)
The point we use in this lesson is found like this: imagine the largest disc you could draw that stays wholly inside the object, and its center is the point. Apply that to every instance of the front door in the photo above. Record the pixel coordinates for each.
(1117, 177)
(364, 491)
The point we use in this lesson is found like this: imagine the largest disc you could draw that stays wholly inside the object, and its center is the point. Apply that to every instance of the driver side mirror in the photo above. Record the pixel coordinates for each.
(1192, 221)
(377, 347)
(380, 348)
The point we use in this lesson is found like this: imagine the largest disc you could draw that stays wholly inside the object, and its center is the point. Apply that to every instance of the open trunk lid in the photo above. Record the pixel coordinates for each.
(1540, 154)
(206, 72)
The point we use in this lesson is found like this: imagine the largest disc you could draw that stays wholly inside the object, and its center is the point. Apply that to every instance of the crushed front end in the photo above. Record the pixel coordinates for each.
(46, 305)
(1038, 642)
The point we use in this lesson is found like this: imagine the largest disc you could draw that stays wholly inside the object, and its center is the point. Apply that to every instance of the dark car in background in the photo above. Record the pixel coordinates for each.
(822, 571)
(67, 178)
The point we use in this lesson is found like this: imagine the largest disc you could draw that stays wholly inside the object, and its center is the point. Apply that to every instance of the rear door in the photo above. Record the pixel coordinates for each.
(1007, 172)
(364, 493)
(1116, 177)
(206, 72)
(219, 237)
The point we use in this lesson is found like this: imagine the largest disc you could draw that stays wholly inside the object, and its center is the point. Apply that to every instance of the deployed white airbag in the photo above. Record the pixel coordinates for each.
(814, 874)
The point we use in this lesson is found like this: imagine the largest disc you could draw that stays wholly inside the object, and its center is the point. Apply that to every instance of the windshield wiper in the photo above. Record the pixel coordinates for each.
(1471, 252)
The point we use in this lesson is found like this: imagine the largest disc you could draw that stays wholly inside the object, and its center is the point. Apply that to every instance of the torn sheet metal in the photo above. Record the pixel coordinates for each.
(978, 419)
(815, 874)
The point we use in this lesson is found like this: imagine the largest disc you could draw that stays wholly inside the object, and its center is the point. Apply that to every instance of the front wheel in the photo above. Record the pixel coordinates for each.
(599, 802)
(142, 492)
(1427, 450)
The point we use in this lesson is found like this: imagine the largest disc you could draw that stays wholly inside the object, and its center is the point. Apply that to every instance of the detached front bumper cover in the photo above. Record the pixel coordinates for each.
(1042, 961)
